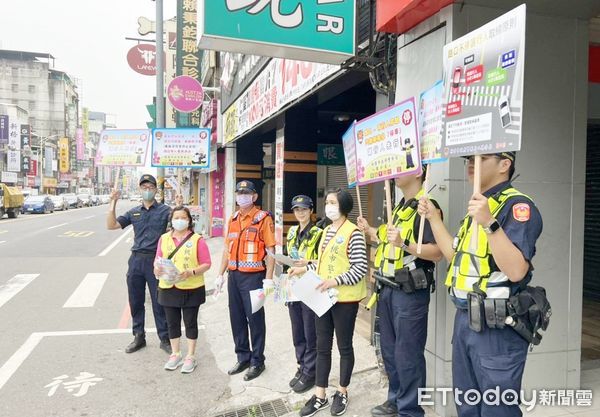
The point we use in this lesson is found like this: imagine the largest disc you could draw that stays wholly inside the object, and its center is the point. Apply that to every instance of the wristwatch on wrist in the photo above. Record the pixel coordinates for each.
(405, 244)
(492, 227)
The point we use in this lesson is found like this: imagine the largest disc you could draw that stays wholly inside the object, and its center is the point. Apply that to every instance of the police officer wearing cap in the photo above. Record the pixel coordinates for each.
(303, 244)
(149, 221)
(405, 280)
(487, 353)
(250, 233)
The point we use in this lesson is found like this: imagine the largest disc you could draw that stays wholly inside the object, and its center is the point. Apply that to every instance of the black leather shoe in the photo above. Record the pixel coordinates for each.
(304, 384)
(295, 378)
(254, 372)
(139, 341)
(166, 346)
(387, 409)
(239, 367)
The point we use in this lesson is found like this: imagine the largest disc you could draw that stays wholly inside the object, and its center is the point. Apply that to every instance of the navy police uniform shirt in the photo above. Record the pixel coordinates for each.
(148, 225)
(520, 219)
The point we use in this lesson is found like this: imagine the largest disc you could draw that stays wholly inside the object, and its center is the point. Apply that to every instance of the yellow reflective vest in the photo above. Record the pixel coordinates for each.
(185, 258)
(333, 262)
(403, 217)
(470, 267)
(307, 248)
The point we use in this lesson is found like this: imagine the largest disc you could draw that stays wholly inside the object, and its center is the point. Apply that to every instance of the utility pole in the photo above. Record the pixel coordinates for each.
(160, 89)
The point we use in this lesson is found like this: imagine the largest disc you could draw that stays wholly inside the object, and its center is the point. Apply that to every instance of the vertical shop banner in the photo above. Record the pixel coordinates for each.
(483, 73)
(217, 179)
(33, 168)
(181, 148)
(85, 120)
(188, 54)
(319, 31)
(48, 161)
(3, 129)
(13, 161)
(80, 144)
(387, 144)
(63, 155)
(14, 140)
(26, 148)
(349, 143)
(279, 166)
(123, 147)
(430, 123)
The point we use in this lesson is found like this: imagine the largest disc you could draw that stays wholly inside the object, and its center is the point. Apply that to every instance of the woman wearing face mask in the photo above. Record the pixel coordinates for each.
(188, 251)
(342, 264)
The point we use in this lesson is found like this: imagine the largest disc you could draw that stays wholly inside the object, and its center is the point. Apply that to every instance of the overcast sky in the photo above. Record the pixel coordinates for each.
(87, 38)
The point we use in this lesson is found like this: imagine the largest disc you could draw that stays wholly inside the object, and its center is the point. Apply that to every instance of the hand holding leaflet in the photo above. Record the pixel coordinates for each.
(168, 271)
(305, 289)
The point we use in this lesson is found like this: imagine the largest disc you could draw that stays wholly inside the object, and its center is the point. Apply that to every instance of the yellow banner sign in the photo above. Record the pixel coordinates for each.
(63, 155)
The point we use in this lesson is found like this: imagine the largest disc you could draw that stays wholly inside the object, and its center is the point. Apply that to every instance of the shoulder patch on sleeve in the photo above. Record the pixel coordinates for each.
(521, 212)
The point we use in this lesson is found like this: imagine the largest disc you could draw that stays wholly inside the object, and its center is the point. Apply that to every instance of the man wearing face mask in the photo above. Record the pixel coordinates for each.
(250, 233)
(149, 221)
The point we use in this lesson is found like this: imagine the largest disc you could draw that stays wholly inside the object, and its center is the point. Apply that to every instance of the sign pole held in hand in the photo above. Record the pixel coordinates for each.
(422, 222)
(113, 203)
(390, 223)
(360, 211)
(476, 190)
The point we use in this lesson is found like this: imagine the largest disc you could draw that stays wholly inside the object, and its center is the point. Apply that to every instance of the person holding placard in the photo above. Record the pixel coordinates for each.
(183, 295)
(404, 282)
(342, 264)
(487, 354)
(149, 222)
(250, 235)
(302, 243)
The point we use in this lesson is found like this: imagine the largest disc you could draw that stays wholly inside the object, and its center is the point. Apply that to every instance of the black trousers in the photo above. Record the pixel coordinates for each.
(304, 337)
(190, 319)
(341, 318)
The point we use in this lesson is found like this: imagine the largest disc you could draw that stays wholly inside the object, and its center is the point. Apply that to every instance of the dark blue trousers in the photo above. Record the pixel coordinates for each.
(403, 333)
(304, 337)
(486, 360)
(140, 274)
(239, 285)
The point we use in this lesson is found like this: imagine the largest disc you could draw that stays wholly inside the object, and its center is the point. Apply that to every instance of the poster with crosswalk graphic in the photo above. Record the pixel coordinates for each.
(483, 88)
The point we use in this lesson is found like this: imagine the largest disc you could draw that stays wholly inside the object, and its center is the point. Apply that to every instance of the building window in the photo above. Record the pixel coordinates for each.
(15, 88)
(32, 88)
(31, 105)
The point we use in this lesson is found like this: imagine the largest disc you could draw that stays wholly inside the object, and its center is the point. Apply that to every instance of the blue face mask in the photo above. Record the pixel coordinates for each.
(180, 224)
(148, 195)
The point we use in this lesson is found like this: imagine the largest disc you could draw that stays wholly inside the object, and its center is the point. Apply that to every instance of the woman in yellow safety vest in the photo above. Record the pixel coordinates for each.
(342, 264)
(181, 291)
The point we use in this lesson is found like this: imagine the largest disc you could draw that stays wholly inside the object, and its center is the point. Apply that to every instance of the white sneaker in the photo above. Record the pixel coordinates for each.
(174, 362)
(189, 364)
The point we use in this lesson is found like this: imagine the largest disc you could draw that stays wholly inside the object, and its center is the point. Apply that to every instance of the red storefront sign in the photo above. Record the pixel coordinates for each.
(398, 16)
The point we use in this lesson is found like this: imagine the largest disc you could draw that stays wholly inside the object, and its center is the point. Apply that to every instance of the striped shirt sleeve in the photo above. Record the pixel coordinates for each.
(357, 254)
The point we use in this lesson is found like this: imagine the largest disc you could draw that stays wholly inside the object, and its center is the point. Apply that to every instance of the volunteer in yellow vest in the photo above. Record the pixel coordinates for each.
(303, 243)
(486, 353)
(182, 294)
(342, 265)
(250, 233)
(405, 281)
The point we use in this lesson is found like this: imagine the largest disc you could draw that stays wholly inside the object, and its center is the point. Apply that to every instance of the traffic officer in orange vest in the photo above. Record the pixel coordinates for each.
(250, 233)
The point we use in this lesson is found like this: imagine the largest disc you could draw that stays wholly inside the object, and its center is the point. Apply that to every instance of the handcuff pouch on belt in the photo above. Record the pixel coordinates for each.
(408, 280)
(490, 312)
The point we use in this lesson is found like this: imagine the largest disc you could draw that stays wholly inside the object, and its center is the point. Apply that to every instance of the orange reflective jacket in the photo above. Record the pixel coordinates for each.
(246, 248)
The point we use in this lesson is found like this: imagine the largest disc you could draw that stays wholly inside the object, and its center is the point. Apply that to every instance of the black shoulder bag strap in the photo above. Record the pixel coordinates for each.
(180, 245)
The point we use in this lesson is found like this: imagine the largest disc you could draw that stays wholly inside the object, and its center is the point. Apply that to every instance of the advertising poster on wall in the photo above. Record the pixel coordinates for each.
(122, 147)
(483, 73)
(430, 123)
(387, 144)
(181, 148)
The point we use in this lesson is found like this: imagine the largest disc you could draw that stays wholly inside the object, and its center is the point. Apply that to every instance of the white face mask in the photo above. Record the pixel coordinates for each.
(332, 212)
(244, 200)
(180, 224)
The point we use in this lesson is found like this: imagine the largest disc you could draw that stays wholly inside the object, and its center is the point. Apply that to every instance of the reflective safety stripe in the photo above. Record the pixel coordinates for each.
(308, 248)
(470, 267)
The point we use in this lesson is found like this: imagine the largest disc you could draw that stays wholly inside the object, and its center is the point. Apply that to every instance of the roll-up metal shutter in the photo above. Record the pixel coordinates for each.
(337, 178)
(591, 241)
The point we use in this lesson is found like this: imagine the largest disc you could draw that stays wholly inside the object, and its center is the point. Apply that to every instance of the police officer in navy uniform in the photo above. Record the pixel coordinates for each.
(487, 354)
(250, 234)
(149, 221)
(405, 280)
(303, 244)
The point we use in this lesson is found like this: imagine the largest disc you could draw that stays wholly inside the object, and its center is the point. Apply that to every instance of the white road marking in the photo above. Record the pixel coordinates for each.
(88, 217)
(16, 360)
(14, 286)
(58, 225)
(87, 292)
(115, 243)
(2, 241)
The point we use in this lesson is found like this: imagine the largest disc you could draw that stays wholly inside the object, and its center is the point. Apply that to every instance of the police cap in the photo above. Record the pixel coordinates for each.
(245, 185)
(303, 201)
(148, 178)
